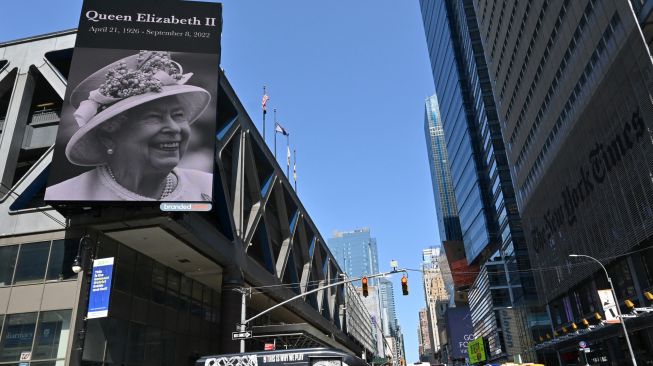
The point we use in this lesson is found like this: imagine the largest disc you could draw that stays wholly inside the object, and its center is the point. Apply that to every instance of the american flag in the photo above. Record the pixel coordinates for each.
(264, 103)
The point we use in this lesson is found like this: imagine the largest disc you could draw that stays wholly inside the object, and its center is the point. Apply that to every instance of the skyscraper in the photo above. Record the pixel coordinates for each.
(573, 83)
(487, 207)
(424, 345)
(436, 281)
(445, 201)
(388, 303)
(355, 251)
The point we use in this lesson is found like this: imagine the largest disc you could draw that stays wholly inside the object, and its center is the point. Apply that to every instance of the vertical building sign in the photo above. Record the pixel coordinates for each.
(609, 306)
(139, 112)
(100, 292)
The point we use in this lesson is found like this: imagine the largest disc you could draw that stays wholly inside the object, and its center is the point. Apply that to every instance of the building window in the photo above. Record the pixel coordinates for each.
(32, 260)
(51, 339)
(17, 336)
(52, 335)
(7, 264)
(62, 255)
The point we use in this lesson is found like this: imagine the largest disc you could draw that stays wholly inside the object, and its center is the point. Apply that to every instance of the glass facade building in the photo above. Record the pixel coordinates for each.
(445, 201)
(488, 211)
(356, 252)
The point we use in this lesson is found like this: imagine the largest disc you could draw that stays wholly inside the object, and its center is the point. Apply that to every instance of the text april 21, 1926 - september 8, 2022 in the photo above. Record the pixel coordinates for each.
(149, 32)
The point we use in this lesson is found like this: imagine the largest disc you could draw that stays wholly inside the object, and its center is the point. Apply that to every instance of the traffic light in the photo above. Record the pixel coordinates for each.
(364, 282)
(404, 285)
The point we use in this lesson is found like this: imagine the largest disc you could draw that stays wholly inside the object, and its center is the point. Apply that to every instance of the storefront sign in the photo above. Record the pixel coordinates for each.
(98, 303)
(476, 350)
(140, 109)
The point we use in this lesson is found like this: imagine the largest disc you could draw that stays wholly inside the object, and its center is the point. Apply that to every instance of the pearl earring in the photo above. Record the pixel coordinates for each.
(109, 151)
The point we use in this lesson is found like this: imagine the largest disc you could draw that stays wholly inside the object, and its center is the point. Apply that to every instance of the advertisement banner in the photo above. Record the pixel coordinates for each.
(98, 302)
(609, 306)
(476, 350)
(460, 330)
(140, 106)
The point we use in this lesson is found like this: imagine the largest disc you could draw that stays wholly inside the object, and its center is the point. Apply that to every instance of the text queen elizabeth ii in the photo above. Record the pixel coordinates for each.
(134, 119)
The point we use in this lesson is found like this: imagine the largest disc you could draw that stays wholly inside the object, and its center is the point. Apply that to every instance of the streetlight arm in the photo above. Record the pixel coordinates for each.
(622, 320)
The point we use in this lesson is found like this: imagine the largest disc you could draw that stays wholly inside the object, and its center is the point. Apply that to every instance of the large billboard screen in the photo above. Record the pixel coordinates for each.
(138, 121)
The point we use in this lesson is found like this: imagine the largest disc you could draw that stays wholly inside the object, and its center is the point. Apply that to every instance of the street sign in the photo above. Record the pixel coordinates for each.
(241, 335)
(582, 344)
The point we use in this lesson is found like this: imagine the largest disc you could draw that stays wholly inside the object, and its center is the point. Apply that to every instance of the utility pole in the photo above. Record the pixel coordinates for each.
(244, 291)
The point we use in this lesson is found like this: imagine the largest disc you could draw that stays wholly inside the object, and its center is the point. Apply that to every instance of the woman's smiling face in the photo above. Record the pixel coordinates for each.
(154, 136)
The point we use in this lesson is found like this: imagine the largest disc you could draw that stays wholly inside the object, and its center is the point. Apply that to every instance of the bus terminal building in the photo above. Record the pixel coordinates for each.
(175, 293)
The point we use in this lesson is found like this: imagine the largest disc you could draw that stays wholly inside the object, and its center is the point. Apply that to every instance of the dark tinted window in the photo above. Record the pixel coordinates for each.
(17, 336)
(62, 255)
(158, 283)
(142, 276)
(52, 331)
(7, 264)
(32, 260)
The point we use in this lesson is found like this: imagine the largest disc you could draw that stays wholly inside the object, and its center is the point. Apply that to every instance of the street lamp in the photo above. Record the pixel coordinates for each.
(622, 320)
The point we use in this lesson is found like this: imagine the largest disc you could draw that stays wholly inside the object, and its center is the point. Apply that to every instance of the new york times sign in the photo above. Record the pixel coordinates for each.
(140, 107)
(601, 160)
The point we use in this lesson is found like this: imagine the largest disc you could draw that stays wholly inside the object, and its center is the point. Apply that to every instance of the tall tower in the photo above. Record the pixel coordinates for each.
(489, 218)
(355, 252)
(445, 201)
(573, 83)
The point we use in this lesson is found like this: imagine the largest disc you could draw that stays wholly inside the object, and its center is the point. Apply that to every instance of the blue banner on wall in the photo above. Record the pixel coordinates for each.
(98, 302)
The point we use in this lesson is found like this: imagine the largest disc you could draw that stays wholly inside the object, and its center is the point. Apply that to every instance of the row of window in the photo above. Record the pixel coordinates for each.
(566, 113)
(507, 35)
(518, 39)
(37, 262)
(38, 336)
(571, 48)
(529, 50)
(542, 64)
(499, 23)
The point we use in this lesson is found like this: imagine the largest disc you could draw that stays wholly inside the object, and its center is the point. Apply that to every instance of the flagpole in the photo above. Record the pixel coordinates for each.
(288, 156)
(294, 170)
(275, 134)
(264, 113)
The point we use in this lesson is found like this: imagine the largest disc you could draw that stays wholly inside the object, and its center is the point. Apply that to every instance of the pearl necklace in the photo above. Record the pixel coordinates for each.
(167, 189)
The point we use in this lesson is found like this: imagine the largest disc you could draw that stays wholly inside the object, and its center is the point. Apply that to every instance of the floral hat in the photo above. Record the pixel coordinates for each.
(120, 86)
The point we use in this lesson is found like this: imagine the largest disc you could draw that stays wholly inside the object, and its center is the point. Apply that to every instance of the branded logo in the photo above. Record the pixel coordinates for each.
(603, 157)
(181, 206)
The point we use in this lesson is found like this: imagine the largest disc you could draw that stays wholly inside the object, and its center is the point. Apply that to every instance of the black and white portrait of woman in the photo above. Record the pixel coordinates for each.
(129, 132)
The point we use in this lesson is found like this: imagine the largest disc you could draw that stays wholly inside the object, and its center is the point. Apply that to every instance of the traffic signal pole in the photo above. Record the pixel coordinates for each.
(246, 321)
(246, 291)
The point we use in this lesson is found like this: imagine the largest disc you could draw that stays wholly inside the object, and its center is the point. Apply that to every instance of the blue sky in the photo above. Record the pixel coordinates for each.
(349, 79)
